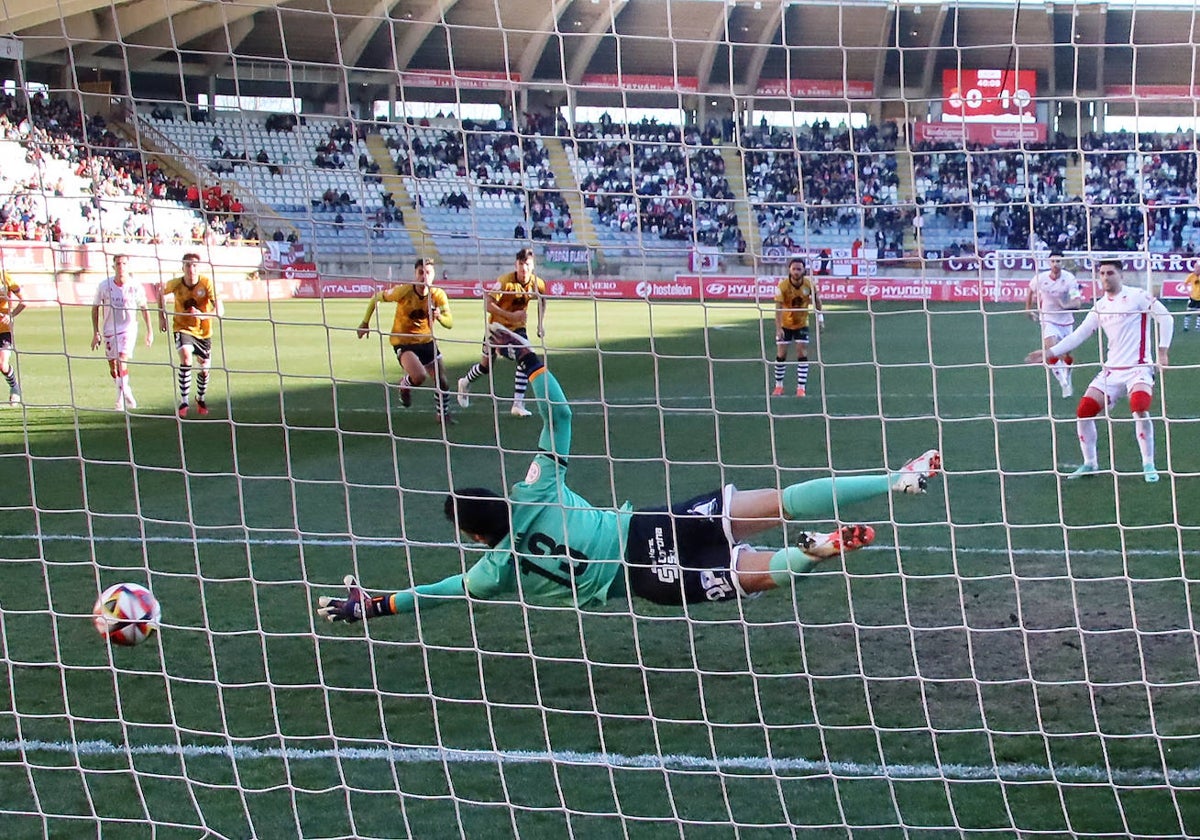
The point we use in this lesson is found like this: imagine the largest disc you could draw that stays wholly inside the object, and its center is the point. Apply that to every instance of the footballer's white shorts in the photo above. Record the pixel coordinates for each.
(1056, 331)
(1118, 382)
(120, 344)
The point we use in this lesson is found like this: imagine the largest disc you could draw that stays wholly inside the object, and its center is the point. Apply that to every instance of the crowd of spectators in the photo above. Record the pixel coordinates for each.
(114, 185)
(664, 181)
(667, 181)
(492, 157)
(818, 179)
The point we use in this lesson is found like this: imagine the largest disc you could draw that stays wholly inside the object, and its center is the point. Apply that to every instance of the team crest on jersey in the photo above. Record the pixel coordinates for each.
(535, 472)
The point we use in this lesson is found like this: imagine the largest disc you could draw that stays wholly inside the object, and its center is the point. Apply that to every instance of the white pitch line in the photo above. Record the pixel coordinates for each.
(383, 542)
(1187, 776)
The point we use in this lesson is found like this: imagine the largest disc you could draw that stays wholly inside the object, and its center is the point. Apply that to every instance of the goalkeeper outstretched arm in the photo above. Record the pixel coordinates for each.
(359, 605)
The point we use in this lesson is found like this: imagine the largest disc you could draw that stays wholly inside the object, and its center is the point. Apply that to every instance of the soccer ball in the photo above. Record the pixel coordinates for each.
(126, 613)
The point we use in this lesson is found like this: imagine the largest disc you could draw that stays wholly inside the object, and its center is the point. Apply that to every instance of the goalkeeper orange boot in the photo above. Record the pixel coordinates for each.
(778, 392)
(844, 539)
(201, 408)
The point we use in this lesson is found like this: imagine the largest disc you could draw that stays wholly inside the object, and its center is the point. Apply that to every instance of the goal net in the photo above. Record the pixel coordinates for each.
(1015, 653)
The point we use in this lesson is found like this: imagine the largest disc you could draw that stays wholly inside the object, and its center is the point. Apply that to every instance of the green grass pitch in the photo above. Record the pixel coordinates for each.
(1008, 619)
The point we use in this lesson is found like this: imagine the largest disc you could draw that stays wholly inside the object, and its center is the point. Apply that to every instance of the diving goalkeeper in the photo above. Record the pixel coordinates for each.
(551, 546)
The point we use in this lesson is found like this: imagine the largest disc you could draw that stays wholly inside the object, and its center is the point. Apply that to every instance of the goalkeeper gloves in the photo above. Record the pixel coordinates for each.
(356, 606)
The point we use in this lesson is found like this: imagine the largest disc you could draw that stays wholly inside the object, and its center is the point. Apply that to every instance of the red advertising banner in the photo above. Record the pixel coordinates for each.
(1151, 92)
(988, 134)
(641, 81)
(1159, 263)
(987, 94)
(815, 88)
(462, 79)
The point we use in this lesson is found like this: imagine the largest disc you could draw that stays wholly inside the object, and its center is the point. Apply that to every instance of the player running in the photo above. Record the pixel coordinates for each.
(1057, 296)
(195, 301)
(120, 298)
(551, 546)
(508, 305)
(1125, 314)
(418, 305)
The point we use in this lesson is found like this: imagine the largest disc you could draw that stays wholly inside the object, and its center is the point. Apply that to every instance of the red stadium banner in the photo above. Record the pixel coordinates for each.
(1188, 92)
(1159, 263)
(815, 88)
(461, 79)
(988, 134)
(641, 81)
(984, 95)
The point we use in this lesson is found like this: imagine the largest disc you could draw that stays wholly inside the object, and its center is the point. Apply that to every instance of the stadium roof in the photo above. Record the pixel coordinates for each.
(717, 46)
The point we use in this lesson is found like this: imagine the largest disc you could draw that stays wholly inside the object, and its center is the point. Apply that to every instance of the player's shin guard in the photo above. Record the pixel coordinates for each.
(185, 383)
(780, 369)
(1143, 426)
(802, 374)
(1144, 429)
(823, 498)
(520, 383)
(10, 376)
(201, 384)
(1085, 425)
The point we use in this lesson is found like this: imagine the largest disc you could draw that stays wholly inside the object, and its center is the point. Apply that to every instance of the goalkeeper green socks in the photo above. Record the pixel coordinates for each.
(823, 498)
(790, 561)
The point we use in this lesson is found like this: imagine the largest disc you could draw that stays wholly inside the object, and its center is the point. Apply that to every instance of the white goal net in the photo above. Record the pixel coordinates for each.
(1013, 655)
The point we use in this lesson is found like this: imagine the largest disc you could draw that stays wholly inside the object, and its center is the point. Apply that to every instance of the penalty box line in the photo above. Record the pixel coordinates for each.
(1008, 772)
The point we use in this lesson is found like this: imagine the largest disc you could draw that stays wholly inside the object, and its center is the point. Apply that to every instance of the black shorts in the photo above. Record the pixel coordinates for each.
(6, 341)
(506, 351)
(798, 334)
(201, 347)
(682, 555)
(425, 352)
(1193, 304)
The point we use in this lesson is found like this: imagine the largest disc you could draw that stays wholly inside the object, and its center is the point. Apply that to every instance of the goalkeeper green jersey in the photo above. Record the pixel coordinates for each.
(562, 551)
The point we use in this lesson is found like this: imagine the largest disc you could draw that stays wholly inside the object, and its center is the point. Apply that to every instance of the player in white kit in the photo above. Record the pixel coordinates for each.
(1126, 314)
(1057, 296)
(120, 297)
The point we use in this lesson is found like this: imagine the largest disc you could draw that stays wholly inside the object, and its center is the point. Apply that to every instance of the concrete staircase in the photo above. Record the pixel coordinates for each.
(156, 146)
(906, 192)
(414, 221)
(568, 186)
(735, 174)
(1076, 178)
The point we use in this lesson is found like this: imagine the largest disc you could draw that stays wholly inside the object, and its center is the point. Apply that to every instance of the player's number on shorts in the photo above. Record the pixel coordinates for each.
(544, 545)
